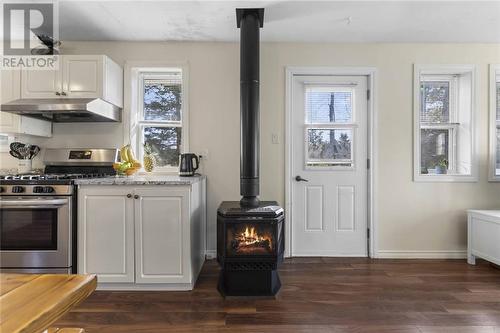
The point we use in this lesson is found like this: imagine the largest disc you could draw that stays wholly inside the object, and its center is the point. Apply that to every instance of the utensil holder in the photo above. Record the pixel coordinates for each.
(24, 166)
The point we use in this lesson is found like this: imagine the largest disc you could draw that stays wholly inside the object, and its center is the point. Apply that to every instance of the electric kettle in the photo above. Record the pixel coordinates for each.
(187, 163)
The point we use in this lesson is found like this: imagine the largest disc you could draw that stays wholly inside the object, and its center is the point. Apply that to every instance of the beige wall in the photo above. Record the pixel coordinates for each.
(411, 216)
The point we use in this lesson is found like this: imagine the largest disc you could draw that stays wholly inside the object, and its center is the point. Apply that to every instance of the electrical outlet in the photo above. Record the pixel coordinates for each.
(204, 154)
(275, 138)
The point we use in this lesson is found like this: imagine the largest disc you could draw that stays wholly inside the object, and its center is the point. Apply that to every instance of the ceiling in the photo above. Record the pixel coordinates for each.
(285, 21)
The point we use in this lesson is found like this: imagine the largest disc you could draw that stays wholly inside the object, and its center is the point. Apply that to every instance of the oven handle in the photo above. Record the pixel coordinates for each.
(27, 203)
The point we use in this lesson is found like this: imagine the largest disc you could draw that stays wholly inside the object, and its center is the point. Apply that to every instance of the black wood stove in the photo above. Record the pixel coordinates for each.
(250, 245)
(250, 233)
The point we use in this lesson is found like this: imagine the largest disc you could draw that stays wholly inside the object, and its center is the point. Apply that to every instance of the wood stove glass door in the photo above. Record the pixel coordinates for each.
(329, 156)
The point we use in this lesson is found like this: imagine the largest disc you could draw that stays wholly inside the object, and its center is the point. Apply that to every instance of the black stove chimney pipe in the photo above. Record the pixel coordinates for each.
(249, 20)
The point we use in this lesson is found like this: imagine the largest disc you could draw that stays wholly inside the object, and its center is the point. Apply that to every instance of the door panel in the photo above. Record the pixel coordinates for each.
(40, 83)
(106, 234)
(314, 207)
(162, 225)
(11, 90)
(82, 76)
(345, 204)
(329, 145)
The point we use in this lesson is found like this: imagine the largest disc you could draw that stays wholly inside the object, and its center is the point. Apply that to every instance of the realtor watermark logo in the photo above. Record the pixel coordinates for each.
(30, 36)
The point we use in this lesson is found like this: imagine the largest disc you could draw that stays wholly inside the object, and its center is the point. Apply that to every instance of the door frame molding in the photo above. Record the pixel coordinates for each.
(371, 74)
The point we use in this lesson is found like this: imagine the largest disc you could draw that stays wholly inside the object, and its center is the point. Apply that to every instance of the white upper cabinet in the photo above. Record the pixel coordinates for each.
(10, 91)
(11, 123)
(40, 83)
(78, 76)
(82, 76)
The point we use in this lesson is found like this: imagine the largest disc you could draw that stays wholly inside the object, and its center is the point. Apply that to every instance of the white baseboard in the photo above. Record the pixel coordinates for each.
(211, 254)
(393, 254)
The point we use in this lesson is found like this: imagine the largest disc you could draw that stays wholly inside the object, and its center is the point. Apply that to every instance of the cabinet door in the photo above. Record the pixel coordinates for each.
(40, 83)
(162, 235)
(9, 122)
(106, 233)
(82, 76)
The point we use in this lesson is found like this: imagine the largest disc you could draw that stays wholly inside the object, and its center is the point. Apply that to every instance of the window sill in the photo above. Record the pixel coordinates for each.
(445, 178)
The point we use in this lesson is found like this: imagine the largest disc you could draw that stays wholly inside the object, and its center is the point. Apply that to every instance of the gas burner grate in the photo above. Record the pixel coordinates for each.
(54, 176)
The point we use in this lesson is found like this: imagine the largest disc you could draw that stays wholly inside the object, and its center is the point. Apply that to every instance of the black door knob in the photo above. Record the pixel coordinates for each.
(300, 179)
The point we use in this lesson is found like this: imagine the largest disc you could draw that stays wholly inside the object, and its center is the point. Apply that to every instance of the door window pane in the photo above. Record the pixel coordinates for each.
(434, 150)
(323, 105)
(329, 146)
(498, 101)
(497, 168)
(165, 142)
(435, 107)
(28, 229)
(497, 171)
(162, 99)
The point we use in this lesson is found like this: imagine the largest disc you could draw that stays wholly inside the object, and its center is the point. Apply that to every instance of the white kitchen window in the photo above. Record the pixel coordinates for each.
(494, 168)
(159, 114)
(444, 124)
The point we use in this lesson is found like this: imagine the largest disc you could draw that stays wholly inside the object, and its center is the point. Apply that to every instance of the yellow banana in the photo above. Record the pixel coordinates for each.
(123, 153)
(130, 154)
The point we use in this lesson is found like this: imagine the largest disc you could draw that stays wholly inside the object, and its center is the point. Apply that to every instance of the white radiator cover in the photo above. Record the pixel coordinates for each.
(483, 236)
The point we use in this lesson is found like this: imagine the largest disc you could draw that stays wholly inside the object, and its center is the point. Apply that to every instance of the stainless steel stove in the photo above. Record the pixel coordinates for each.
(38, 211)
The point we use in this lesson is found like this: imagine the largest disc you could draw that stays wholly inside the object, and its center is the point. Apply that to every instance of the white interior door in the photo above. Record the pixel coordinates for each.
(329, 156)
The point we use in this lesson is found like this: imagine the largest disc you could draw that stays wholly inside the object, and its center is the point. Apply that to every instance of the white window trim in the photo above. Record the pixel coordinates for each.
(444, 70)
(494, 78)
(131, 108)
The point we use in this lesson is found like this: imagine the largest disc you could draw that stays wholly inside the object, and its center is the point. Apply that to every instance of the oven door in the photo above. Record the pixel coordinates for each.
(35, 232)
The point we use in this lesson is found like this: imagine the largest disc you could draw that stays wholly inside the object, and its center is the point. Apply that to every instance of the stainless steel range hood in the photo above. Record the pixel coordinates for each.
(67, 110)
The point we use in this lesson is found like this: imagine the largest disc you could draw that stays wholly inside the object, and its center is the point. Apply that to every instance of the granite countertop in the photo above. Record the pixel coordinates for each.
(141, 180)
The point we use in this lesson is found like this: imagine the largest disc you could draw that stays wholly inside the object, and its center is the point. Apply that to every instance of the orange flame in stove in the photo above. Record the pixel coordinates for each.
(250, 236)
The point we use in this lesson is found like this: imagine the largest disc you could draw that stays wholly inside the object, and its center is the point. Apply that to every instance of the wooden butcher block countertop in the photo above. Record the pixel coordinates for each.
(32, 302)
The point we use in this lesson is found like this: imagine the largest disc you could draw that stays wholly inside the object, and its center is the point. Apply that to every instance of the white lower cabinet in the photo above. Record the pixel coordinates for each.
(161, 235)
(106, 233)
(142, 237)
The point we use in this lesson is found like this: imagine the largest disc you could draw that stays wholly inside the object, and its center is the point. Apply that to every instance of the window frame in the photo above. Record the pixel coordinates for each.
(451, 74)
(452, 125)
(135, 73)
(493, 123)
(330, 165)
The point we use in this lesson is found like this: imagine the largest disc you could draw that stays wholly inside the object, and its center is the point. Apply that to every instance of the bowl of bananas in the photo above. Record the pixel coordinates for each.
(128, 165)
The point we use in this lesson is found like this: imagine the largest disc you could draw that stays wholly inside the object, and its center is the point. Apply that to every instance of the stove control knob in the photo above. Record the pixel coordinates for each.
(37, 189)
(17, 189)
(48, 189)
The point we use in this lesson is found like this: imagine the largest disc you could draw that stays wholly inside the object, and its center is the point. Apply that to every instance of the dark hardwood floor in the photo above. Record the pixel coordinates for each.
(318, 295)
